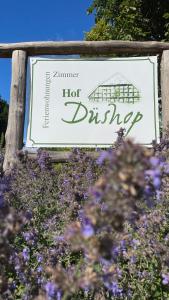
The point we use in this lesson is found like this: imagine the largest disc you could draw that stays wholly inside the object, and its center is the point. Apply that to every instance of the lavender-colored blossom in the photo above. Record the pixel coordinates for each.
(159, 195)
(39, 269)
(166, 168)
(103, 156)
(133, 259)
(87, 230)
(28, 236)
(153, 173)
(122, 248)
(119, 273)
(155, 161)
(39, 258)
(26, 254)
(52, 291)
(28, 215)
(1, 200)
(116, 251)
(148, 191)
(13, 285)
(165, 278)
(114, 288)
(135, 243)
(97, 195)
(59, 295)
(39, 281)
(166, 237)
(4, 187)
(59, 238)
(139, 273)
(43, 158)
(157, 183)
(123, 245)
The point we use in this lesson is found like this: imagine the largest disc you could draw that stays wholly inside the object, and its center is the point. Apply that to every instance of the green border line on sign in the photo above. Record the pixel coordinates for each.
(101, 59)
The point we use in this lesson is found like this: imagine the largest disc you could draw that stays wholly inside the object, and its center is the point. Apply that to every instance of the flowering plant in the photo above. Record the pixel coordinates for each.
(88, 229)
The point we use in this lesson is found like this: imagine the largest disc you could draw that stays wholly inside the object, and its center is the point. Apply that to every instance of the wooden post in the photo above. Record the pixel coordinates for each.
(165, 88)
(15, 128)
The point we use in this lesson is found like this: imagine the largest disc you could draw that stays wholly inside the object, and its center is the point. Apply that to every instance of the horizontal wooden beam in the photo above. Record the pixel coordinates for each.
(83, 47)
(62, 156)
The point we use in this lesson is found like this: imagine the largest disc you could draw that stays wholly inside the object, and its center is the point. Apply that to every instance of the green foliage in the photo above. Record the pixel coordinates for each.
(2, 140)
(3, 120)
(130, 20)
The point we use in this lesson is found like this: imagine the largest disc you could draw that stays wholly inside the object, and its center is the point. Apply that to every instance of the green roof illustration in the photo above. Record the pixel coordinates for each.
(115, 89)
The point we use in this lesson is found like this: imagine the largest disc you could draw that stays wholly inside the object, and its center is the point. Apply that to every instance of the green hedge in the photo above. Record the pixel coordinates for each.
(4, 107)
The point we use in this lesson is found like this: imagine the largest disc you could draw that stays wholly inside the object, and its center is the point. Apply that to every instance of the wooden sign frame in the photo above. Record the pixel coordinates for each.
(21, 51)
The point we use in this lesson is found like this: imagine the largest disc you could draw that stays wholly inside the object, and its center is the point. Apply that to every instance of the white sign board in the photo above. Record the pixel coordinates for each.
(84, 103)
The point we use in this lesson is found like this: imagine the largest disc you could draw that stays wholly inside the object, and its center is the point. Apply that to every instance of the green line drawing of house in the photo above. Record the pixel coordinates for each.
(116, 89)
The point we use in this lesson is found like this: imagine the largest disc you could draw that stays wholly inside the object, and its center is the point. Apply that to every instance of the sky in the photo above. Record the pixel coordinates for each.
(40, 20)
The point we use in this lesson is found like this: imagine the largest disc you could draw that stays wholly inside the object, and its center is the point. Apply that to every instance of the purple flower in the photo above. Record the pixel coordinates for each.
(165, 280)
(12, 286)
(42, 160)
(87, 230)
(153, 173)
(4, 187)
(1, 200)
(135, 243)
(159, 195)
(102, 157)
(119, 273)
(97, 195)
(166, 168)
(27, 236)
(154, 161)
(123, 247)
(148, 191)
(39, 258)
(26, 254)
(157, 183)
(39, 269)
(28, 215)
(59, 295)
(60, 238)
(133, 259)
(52, 291)
(116, 251)
(114, 288)
(166, 237)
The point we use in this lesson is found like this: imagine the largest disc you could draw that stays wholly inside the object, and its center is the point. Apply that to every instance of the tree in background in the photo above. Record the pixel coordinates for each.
(130, 20)
(3, 120)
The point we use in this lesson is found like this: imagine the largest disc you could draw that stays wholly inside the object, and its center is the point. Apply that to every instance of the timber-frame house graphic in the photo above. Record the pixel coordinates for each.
(115, 89)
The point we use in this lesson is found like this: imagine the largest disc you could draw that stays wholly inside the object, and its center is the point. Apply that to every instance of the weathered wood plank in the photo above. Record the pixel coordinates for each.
(165, 88)
(15, 128)
(84, 47)
(62, 156)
